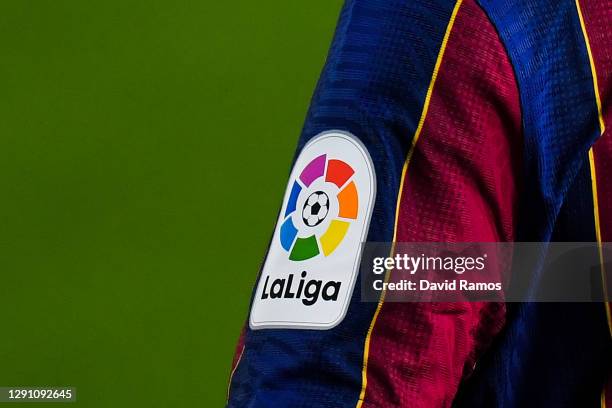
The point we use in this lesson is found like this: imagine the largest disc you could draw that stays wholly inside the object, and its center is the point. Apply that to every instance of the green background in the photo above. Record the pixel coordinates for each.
(144, 150)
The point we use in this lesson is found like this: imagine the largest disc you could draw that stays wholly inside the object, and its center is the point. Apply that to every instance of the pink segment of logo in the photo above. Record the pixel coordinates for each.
(313, 170)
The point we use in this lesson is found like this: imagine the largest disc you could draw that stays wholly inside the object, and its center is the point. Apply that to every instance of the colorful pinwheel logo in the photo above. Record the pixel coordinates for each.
(322, 204)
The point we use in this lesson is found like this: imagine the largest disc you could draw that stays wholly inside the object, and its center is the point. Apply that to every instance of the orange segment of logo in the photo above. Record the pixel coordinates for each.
(348, 201)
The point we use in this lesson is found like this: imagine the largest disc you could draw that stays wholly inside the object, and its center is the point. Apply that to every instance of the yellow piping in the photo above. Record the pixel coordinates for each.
(229, 384)
(602, 129)
(366, 351)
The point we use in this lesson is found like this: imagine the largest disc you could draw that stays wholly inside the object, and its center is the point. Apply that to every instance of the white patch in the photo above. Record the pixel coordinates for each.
(309, 274)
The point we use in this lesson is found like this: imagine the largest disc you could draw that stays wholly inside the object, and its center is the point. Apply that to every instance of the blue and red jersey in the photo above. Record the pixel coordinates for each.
(485, 121)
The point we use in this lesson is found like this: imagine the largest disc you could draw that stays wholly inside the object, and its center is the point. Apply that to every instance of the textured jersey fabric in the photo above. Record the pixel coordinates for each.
(460, 186)
(486, 122)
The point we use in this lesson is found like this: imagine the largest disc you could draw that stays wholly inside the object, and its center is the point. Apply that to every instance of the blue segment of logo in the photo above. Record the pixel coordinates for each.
(295, 192)
(288, 233)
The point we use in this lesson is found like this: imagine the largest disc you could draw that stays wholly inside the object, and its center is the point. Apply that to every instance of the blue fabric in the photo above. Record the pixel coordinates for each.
(546, 47)
(549, 355)
(373, 86)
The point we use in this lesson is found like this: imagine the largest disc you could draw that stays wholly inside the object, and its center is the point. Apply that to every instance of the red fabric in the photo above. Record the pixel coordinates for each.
(598, 23)
(460, 186)
(597, 20)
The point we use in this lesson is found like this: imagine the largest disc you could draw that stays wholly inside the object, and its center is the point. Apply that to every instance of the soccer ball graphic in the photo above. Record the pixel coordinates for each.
(315, 209)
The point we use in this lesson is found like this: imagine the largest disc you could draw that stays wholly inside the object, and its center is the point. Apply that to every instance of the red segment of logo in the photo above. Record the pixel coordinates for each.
(338, 172)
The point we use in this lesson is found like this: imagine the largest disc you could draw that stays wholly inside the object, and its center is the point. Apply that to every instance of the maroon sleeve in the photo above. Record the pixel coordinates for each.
(460, 185)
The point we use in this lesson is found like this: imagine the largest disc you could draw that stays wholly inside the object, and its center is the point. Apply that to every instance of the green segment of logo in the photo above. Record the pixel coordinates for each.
(304, 248)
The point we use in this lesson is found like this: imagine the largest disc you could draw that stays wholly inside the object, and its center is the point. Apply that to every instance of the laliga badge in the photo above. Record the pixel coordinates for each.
(310, 271)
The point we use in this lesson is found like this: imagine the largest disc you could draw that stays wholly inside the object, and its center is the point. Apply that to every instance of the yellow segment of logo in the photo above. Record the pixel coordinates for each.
(333, 236)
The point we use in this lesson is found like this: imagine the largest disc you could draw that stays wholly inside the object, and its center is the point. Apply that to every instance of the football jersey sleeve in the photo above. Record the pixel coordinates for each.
(413, 135)
(555, 354)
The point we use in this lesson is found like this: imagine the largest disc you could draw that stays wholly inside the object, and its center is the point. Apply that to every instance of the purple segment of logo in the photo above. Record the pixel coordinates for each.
(314, 170)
